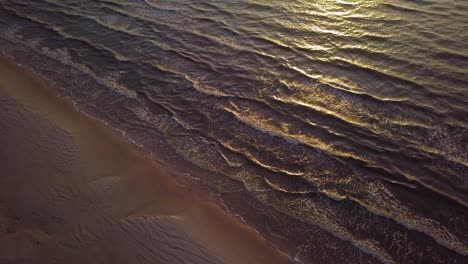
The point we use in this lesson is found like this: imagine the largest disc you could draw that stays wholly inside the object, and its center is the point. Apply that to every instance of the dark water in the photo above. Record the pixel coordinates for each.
(338, 129)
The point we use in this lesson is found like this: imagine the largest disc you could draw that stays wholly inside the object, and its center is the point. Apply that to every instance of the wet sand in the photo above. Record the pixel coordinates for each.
(74, 191)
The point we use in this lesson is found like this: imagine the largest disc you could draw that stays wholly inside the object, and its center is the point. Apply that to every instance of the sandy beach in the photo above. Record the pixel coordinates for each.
(220, 131)
(74, 191)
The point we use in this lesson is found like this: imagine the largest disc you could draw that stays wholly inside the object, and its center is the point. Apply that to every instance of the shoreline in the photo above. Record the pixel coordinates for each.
(87, 183)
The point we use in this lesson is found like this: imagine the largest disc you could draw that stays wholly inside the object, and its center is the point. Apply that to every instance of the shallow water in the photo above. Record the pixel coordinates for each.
(338, 129)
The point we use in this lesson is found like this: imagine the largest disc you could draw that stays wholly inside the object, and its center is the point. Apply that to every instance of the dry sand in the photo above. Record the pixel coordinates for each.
(74, 191)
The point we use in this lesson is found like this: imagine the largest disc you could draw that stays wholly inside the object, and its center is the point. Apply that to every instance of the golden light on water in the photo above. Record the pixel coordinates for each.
(344, 116)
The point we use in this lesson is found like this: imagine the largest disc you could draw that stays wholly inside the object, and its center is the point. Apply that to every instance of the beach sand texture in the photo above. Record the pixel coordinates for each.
(74, 191)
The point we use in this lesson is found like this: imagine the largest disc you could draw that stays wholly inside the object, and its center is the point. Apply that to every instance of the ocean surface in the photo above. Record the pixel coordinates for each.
(337, 129)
